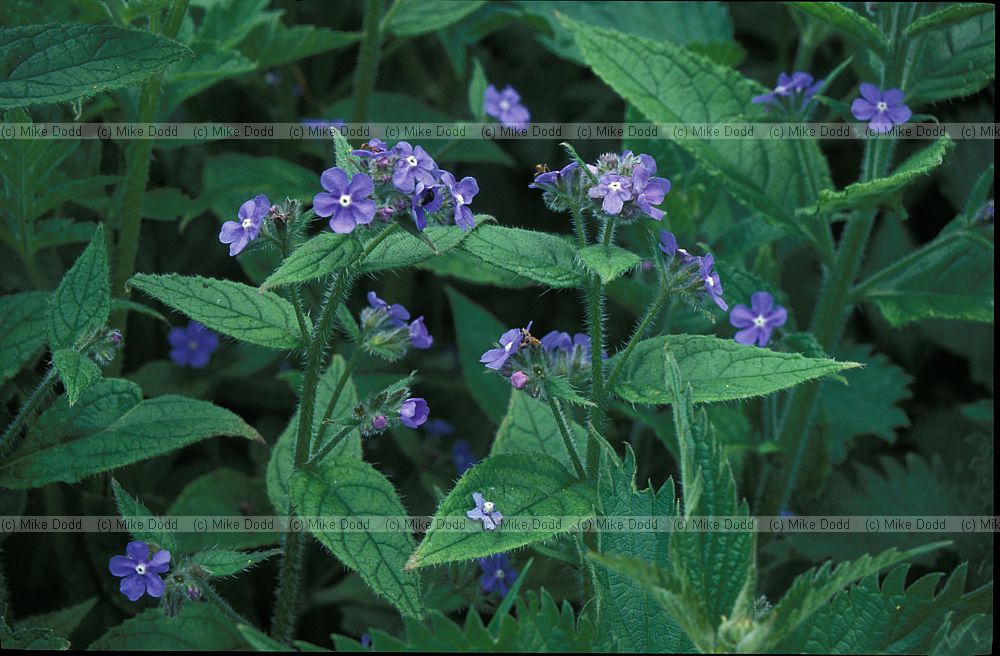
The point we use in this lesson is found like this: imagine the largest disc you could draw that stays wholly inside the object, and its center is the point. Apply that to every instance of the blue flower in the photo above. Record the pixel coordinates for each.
(412, 166)
(758, 320)
(510, 341)
(713, 285)
(506, 106)
(462, 194)
(461, 453)
(413, 412)
(240, 233)
(192, 345)
(881, 109)
(398, 315)
(419, 336)
(140, 574)
(498, 574)
(485, 512)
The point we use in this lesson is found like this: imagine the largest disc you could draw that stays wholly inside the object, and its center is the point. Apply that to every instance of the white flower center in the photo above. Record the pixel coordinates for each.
(509, 346)
(488, 507)
(345, 200)
(882, 106)
(247, 223)
(759, 321)
(504, 105)
(500, 574)
(615, 186)
(709, 282)
(193, 345)
(780, 89)
(140, 569)
(411, 160)
(460, 199)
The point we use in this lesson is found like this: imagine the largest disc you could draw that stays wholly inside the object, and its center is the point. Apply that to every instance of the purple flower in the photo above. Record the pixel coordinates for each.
(485, 512)
(881, 109)
(413, 412)
(380, 422)
(758, 320)
(192, 345)
(518, 380)
(510, 341)
(398, 315)
(371, 149)
(582, 342)
(439, 427)
(614, 189)
(240, 233)
(347, 203)
(414, 165)
(366, 641)
(798, 82)
(713, 285)
(550, 178)
(505, 106)
(498, 574)
(649, 191)
(461, 453)
(986, 212)
(425, 200)
(419, 336)
(140, 574)
(462, 194)
(556, 340)
(668, 244)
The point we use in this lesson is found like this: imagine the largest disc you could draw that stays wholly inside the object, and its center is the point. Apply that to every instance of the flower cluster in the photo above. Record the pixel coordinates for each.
(389, 407)
(386, 330)
(791, 94)
(526, 362)
(620, 185)
(192, 345)
(757, 321)
(693, 274)
(882, 109)
(402, 182)
(506, 107)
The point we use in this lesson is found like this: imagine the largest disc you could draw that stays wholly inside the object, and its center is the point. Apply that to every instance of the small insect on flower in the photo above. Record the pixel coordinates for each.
(485, 512)
(498, 574)
(882, 109)
(347, 202)
(192, 345)
(139, 573)
(251, 216)
(510, 341)
(757, 321)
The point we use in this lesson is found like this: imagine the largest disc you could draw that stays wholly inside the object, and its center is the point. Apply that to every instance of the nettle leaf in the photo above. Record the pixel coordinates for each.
(152, 428)
(542, 257)
(59, 62)
(223, 562)
(949, 278)
(22, 324)
(401, 249)
(955, 61)
(279, 468)
(522, 486)
(195, 627)
(326, 253)
(477, 331)
(139, 517)
(415, 17)
(770, 178)
(868, 404)
(82, 302)
(627, 617)
(946, 17)
(228, 307)
(224, 493)
(973, 636)
(846, 21)
(353, 488)
(528, 427)
(885, 191)
(61, 622)
(812, 590)
(608, 262)
(77, 372)
(717, 369)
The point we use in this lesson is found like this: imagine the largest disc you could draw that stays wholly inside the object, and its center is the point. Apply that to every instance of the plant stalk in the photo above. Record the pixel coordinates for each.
(368, 57)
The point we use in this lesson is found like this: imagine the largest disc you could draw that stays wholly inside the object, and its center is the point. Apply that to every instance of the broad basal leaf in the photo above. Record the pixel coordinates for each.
(195, 627)
(523, 486)
(956, 61)
(225, 493)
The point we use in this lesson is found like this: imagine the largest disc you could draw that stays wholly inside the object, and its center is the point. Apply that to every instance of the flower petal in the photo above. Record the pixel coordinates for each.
(334, 180)
(137, 550)
(871, 93)
(121, 565)
(761, 302)
(132, 587)
(741, 316)
(747, 336)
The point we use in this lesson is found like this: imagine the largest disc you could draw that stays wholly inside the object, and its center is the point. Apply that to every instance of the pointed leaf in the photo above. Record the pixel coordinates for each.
(82, 302)
(76, 371)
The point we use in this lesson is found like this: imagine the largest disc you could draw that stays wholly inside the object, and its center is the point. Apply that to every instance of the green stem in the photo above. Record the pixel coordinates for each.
(652, 312)
(367, 66)
(325, 450)
(9, 439)
(332, 403)
(557, 414)
(289, 580)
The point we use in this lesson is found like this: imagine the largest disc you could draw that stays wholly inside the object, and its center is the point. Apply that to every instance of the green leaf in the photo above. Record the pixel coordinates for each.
(76, 371)
(465, 266)
(811, 590)
(279, 468)
(522, 486)
(477, 331)
(955, 61)
(415, 17)
(846, 21)
(22, 324)
(61, 622)
(50, 233)
(717, 369)
(99, 406)
(275, 44)
(224, 492)
(152, 428)
(401, 249)
(228, 307)
(885, 191)
(609, 262)
(322, 255)
(223, 562)
(229, 179)
(139, 520)
(82, 302)
(189, 78)
(477, 91)
(528, 427)
(538, 256)
(352, 488)
(31, 638)
(124, 305)
(770, 178)
(949, 278)
(195, 627)
(946, 17)
(58, 62)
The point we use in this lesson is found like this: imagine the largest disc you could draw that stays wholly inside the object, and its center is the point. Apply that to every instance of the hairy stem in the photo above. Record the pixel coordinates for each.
(557, 414)
(289, 580)
(367, 66)
(325, 450)
(332, 403)
(31, 405)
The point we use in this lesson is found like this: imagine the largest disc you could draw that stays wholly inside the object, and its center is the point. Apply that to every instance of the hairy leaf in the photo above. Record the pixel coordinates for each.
(326, 253)
(538, 256)
(608, 262)
(77, 372)
(82, 302)
(22, 324)
(223, 562)
(846, 21)
(195, 627)
(528, 427)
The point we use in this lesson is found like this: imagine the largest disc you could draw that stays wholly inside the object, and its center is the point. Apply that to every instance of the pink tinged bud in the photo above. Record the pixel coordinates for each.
(380, 422)
(518, 380)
